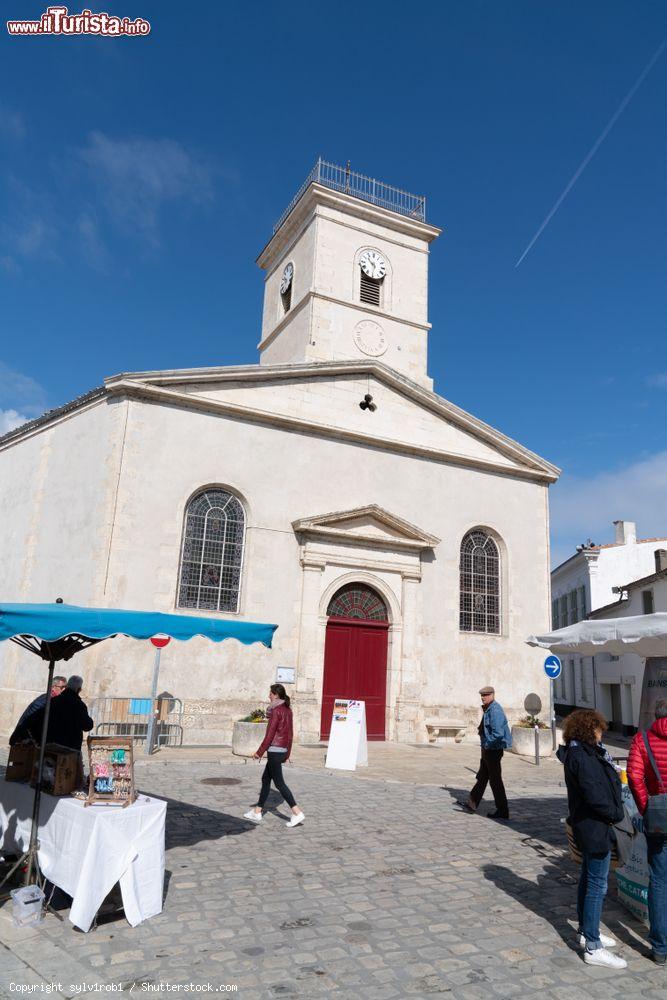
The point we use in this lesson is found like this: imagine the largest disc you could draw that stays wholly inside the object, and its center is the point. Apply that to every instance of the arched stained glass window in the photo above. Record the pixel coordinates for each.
(212, 554)
(480, 584)
(358, 601)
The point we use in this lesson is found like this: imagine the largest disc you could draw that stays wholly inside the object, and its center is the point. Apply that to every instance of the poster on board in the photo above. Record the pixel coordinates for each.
(654, 688)
(347, 739)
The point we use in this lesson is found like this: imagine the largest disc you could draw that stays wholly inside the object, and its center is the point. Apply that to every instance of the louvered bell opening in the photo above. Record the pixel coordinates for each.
(287, 299)
(369, 290)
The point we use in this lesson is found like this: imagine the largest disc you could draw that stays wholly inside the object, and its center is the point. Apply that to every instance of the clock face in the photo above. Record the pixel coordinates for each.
(370, 338)
(373, 264)
(286, 279)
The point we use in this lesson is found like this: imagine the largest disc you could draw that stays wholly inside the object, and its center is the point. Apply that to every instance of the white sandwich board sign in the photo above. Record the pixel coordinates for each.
(347, 739)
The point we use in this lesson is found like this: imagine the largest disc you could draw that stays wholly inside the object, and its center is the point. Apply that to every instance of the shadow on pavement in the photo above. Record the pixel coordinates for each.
(188, 824)
(554, 898)
(539, 818)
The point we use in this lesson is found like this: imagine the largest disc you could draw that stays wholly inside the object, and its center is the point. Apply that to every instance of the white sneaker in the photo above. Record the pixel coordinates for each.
(253, 816)
(295, 820)
(605, 941)
(603, 957)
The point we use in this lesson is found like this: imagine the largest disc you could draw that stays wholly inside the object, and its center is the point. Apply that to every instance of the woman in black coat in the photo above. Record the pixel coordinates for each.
(595, 804)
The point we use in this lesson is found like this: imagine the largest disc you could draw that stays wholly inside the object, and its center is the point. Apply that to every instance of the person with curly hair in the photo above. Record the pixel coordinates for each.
(595, 803)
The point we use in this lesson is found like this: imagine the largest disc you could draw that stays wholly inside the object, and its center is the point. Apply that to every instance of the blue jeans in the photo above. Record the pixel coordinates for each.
(657, 893)
(590, 896)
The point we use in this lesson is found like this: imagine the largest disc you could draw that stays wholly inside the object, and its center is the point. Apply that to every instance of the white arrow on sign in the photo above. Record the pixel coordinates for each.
(552, 667)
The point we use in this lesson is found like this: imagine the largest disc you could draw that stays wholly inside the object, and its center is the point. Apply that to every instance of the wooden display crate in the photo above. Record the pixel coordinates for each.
(106, 768)
(61, 770)
(19, 764)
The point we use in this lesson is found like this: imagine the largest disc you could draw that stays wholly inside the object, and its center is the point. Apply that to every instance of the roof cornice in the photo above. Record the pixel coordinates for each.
(160, 394)
(158, 386)
(26, 430)
(318, 195)
(535, 465)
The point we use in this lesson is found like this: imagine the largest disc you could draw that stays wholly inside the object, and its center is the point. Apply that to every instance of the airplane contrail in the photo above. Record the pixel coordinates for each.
(596, 145)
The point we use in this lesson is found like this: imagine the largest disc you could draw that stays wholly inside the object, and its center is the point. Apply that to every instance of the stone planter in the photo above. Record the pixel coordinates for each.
(246, 737)
(523, 742)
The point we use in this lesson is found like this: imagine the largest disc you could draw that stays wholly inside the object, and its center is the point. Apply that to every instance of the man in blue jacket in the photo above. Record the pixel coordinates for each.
(495, 737)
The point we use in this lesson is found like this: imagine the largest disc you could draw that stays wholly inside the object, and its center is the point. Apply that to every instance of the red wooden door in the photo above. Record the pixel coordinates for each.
(355, 666)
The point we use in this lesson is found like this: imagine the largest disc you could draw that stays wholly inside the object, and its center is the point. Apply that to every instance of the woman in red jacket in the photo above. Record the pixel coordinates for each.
(277, 745)
(643, 782)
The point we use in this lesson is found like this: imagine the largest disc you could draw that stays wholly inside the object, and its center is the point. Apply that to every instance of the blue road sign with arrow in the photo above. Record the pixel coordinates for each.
(552, 667)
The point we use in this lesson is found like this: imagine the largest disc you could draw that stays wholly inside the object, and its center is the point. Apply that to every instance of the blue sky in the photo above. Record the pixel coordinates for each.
(139, 178)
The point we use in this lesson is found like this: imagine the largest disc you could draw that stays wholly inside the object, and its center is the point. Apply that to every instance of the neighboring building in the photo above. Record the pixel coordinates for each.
(580, 586)
(619, 678)
(401, 545)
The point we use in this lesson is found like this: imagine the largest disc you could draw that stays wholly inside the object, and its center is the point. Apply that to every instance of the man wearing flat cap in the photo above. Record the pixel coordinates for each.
(495, 737)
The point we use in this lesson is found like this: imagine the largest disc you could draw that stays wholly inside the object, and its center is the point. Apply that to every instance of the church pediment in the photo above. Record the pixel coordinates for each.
(324, 399)
(369, 526)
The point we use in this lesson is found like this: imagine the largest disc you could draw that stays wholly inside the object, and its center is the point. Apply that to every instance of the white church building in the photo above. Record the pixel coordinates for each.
(400, 544)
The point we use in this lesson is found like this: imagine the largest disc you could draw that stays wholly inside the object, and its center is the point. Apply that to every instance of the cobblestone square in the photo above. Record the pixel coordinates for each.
(388, 890)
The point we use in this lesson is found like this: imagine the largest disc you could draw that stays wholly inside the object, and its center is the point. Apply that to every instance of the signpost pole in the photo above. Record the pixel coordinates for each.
(159, 641)
(151, 718)
(554, 738)
(552, 668)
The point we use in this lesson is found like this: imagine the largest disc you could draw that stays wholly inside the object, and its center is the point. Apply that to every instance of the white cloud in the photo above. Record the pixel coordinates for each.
(10, 419)
(657, 381)
(30, 238)
(138, 177)
(29, 228)
(583, 507)
(94, 247)
(12, 125)
(21, 396)
(9, 265)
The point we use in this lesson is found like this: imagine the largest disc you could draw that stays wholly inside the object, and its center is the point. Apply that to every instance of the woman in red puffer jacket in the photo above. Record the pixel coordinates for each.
(277, 745)
(644, 782)
(641, 776)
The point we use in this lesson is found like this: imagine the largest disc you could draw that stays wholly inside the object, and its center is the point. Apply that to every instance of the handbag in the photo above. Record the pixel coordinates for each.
(655, 816)
(575, 851)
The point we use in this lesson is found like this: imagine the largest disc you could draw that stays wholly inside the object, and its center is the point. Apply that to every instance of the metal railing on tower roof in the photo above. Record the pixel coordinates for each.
(358, 186)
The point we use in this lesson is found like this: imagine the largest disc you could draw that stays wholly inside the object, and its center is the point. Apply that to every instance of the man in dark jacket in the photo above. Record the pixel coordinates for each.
(68, 718)
(644, 782)
(495, 737)
(58, 685)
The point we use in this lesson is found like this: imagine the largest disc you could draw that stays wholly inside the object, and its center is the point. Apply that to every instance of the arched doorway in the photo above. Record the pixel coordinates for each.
(355, 655)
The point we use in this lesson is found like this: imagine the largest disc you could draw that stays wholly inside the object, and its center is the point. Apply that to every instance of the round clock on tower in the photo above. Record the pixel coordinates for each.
(286, 280)
(373, 264)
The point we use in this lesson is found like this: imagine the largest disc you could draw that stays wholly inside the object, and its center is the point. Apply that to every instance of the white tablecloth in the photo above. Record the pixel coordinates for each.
(86, 850)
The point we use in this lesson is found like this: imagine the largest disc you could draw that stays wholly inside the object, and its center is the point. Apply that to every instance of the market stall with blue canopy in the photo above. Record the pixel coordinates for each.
(59, 631)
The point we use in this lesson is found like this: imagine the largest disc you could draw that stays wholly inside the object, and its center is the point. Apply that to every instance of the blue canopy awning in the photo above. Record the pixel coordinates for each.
(50, 622)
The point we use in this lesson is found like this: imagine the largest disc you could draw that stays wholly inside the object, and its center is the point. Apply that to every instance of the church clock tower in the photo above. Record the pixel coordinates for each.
(347, 275)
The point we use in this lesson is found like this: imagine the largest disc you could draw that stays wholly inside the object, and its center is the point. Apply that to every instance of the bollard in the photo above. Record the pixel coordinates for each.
(537, 745)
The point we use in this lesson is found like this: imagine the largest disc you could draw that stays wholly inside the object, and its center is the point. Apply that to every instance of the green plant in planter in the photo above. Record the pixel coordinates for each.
(258, 715)
(530, 721)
